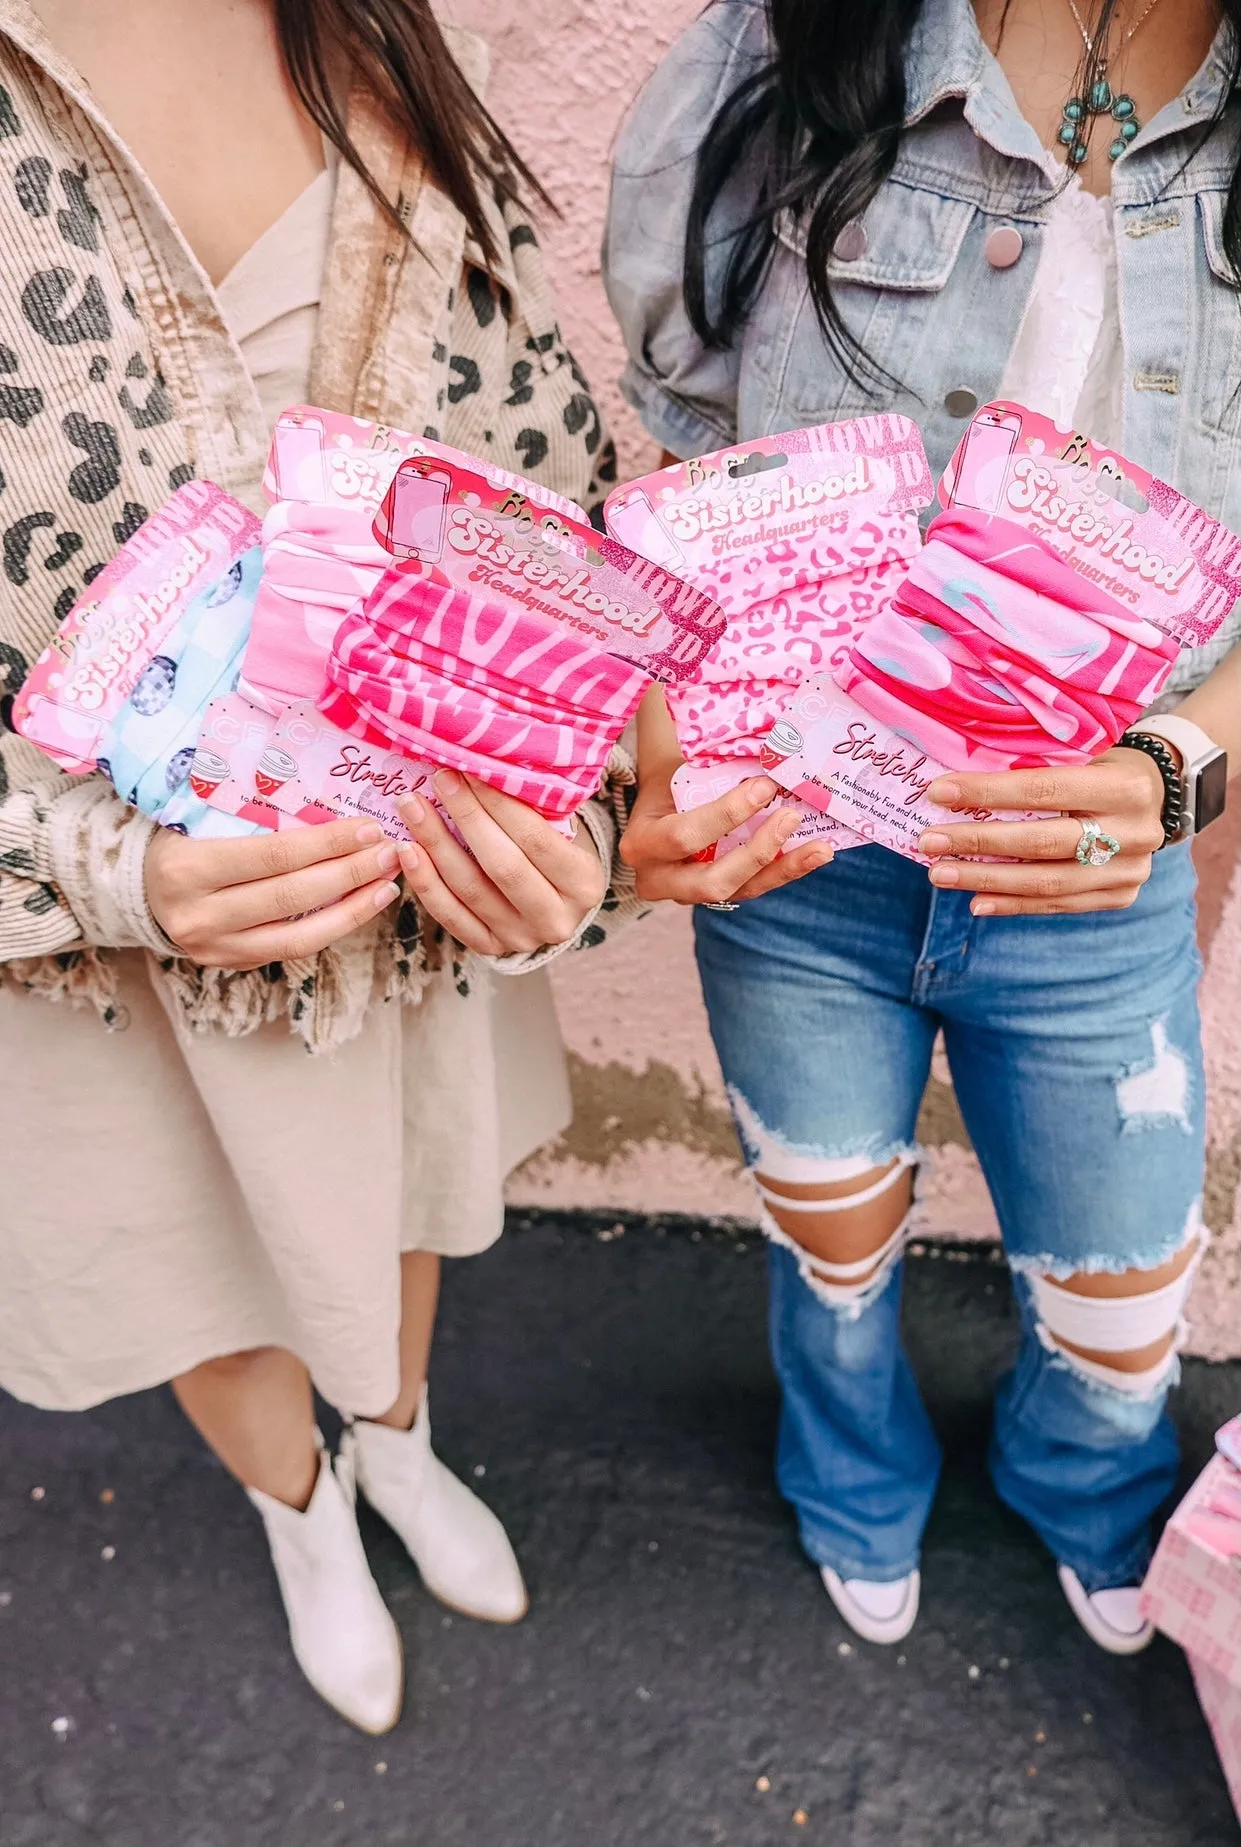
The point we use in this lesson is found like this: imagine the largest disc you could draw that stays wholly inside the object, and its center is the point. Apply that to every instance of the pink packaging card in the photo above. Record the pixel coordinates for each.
(299, 770)
(323, 456)
(1193, 1593)
(81, 681)
(1120, 527)
(831, 754)
(494, 540)
(764, 518)
(224, 772)
(694, 785)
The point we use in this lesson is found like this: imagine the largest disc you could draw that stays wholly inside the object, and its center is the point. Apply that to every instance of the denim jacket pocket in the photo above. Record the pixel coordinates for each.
(907, 245)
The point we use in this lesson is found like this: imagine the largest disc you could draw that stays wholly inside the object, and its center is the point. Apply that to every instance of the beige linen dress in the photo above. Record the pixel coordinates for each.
(168, 1195)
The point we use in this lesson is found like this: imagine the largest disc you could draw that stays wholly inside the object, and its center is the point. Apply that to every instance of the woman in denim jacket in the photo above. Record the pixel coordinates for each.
(821, 211)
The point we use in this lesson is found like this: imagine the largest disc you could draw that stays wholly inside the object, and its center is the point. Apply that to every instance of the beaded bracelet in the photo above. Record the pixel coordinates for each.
(1173, 813)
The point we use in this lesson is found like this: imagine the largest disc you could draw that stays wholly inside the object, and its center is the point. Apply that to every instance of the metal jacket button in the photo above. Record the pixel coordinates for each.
(962, 402)
(1004, 246)
(851, 244)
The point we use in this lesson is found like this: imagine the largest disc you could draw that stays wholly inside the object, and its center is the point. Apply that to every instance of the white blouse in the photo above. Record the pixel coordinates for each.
(1068, 357)
(270, 297)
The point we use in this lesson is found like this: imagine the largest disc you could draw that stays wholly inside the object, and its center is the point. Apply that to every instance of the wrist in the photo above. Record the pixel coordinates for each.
(1193, 767)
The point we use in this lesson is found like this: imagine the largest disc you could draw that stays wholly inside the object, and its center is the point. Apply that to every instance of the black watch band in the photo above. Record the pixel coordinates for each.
(1173, 813)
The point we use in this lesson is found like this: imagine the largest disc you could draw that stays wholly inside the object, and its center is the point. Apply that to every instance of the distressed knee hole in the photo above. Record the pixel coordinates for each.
(847, 1230)
(1123, 1328)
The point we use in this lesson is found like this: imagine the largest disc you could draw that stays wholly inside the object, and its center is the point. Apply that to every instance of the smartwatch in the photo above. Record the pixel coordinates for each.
(1203, 774)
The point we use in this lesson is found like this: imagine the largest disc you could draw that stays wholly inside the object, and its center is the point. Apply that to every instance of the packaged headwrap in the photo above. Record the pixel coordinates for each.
(995, 654)
(318, 561)
(327, 474)
(802, 537)
(475, 684)
(120, 625)
(1045, 614)
(149, 748)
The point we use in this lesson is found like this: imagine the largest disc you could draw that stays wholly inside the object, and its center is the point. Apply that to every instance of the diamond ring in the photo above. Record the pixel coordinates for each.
(1095, 848)
(722, 904)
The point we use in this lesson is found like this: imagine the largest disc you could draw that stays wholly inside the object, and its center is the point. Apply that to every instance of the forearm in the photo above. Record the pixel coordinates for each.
(1216, 707)
(659, 753)
(71, 872)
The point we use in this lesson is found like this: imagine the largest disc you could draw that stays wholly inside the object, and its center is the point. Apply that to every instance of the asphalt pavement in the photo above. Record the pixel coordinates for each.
(681, 1680)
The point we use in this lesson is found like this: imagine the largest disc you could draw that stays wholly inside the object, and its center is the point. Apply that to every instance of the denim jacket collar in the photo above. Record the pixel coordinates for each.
(948, 58)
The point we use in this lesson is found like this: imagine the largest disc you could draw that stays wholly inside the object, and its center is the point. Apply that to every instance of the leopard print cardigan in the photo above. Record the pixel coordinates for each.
(118, 381)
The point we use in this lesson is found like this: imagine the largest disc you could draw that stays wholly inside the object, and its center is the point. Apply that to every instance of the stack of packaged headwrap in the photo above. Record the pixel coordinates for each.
(1045, 614)
(403, 608)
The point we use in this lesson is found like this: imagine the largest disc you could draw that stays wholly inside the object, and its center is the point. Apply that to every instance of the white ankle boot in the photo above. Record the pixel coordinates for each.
(458, 1545)
(345, 1642)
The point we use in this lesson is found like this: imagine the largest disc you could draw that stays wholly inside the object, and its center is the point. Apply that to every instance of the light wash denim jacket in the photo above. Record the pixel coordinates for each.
(923, 298)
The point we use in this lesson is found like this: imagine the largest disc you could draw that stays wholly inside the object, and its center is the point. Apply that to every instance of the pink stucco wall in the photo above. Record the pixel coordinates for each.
(652, 1131)
(563, 75)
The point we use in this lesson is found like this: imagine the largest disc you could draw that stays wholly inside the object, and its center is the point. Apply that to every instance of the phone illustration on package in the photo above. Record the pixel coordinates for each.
(414, 513)
(985, 456)
(636, 524)
(300, 451)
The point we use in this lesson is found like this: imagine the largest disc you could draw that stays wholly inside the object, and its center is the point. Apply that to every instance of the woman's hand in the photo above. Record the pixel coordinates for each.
(243, 903)
(665, 848)
(1121, 791)
(668, 851)
(525, 885)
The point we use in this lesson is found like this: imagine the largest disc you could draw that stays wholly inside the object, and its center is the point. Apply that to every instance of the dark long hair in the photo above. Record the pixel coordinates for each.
(396, 48)
(818, 127)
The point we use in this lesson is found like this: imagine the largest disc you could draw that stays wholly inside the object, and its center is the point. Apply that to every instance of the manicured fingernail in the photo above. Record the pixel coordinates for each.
(822, 856)
(935, 843)
(943, 792)
(763, 790)
(387, 859)
(409, 856)
(412, 809)
(788, 824)
(367, 835)
(447, 782)
(385, 895)
(984, 907)
(945, 875)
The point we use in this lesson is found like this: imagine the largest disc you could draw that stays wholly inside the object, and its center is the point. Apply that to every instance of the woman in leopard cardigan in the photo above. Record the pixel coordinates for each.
(238, 1148)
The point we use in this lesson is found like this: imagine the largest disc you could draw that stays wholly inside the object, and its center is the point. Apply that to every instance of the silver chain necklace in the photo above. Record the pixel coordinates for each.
(1100, 98)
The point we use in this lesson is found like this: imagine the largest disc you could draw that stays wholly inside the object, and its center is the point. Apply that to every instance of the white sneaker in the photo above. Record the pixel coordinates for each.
(1110, 1617)
(343, 1637)
(876, 1612)
(457, 1543)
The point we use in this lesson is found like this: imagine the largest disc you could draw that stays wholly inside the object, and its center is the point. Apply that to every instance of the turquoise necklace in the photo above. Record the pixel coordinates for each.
(1100, 99)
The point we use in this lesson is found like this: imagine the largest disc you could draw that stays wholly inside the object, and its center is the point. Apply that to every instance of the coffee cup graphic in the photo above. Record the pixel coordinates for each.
(207, 772)
(783, 740)
(275, 767)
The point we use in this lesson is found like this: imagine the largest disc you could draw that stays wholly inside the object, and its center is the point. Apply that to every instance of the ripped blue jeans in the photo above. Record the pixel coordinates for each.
(1075, 1053)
